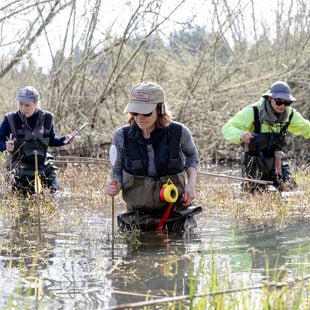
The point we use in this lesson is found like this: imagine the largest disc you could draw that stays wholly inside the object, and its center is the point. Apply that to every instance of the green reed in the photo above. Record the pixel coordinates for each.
(212, 287)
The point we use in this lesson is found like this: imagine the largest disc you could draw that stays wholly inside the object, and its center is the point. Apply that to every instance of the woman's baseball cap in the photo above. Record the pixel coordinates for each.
(27, 95)
(144, 98)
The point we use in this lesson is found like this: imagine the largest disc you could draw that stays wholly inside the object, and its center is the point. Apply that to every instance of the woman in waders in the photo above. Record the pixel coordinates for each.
(153, 151)
(26, 135)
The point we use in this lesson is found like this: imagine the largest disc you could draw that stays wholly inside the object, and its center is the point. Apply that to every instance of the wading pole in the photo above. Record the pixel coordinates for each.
(236, 178)
(37, 189)
(10, 156)
(11, 176)
(113, 157)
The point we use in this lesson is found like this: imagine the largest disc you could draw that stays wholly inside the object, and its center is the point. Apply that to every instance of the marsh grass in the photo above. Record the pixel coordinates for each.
(84, 184)
(211, 285)
(271, 208)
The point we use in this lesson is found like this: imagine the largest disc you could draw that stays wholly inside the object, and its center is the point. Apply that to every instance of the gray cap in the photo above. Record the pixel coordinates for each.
(27, 95)
(281, 90)
(144, 98)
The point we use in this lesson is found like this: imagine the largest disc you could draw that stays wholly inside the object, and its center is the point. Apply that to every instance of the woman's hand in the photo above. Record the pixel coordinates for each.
(113, 186)
(189, 194)
(246, 137)
(69, 138)
(9, 145)
(189, 189)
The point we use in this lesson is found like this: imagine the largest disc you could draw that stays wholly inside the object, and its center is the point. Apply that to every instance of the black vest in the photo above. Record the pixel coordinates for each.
(265, 144)
(28, 140)
(166, 146)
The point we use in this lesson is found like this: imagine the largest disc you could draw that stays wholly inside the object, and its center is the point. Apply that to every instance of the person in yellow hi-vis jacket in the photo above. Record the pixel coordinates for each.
(260, 128)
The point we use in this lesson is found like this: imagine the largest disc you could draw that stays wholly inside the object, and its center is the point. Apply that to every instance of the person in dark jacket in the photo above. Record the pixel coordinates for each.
(153, 151)
(26, 135)
(261, 128)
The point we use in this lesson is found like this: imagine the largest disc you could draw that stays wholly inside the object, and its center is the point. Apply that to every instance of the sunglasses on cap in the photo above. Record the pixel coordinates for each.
(145, 115)
(279, 103)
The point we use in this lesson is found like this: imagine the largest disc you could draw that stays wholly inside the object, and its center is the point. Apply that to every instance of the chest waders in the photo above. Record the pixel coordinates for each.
(263, 158)
(23, 157)
(142, 193)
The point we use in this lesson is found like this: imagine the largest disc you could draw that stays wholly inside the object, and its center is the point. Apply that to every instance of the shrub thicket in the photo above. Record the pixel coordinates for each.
(208, 73)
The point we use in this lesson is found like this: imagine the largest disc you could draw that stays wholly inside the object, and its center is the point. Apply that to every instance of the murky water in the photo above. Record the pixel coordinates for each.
(76, 265)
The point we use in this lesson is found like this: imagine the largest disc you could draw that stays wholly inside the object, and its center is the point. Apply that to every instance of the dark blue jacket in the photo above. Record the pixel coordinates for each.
(5, 131)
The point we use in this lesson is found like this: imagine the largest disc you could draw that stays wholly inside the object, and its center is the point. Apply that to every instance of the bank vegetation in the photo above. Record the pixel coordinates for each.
(209, 70)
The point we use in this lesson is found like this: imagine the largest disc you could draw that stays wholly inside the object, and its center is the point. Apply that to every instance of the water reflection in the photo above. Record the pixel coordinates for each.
(158, 267)
(76, 265)
(269, 252)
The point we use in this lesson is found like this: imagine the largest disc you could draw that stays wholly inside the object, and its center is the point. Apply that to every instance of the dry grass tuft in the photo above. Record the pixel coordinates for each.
(225, 198)
(84, 186)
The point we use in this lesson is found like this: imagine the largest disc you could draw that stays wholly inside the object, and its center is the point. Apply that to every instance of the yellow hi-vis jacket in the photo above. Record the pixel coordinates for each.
(244, 121)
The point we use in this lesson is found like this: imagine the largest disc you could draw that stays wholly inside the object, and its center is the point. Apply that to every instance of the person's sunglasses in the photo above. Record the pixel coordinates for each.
(145, 115)
(279, 103)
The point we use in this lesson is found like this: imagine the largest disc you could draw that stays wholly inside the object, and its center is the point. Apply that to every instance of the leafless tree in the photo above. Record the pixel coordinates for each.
(210, 67)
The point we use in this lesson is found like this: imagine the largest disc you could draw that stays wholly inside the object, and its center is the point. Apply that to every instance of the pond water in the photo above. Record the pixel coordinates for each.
(72, 262)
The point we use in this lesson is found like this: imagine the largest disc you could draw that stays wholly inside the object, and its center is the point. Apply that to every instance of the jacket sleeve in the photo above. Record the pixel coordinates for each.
(243, 121)
(188, 148)
(56, 141)
(299, 126)
(5, 131)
